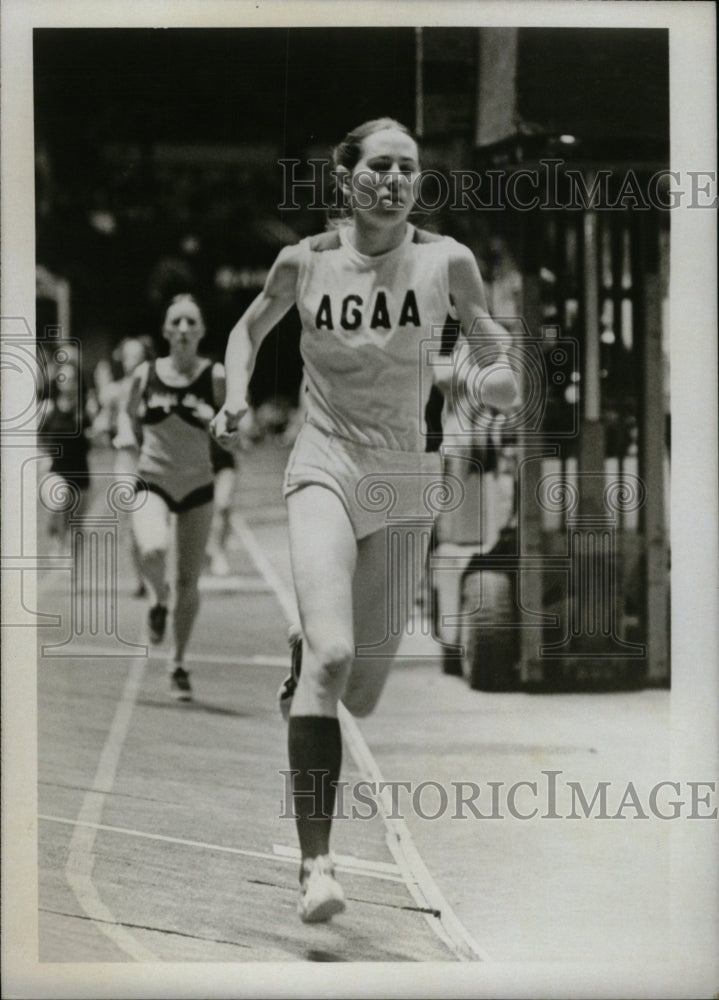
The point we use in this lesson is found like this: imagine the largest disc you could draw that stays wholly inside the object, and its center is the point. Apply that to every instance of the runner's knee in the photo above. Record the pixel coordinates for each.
(335, 659)
(333, 663)
(151, 552)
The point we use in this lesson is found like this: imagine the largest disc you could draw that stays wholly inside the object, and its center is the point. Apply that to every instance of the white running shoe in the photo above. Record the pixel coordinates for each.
(219, 566)
(321, 895)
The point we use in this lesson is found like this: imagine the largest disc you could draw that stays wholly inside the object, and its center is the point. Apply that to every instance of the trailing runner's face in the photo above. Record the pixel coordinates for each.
(184, 328)
(382, 183)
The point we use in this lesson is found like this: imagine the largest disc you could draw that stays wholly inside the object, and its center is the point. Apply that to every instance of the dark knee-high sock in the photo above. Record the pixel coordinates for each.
(314, 743)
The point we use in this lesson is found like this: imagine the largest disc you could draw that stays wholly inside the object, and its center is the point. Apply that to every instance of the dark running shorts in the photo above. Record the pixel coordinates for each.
(196, 498)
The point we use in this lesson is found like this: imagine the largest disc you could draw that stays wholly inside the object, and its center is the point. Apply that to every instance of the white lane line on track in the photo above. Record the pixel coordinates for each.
(153, 653)
(418, 879)
(346, 860)
(420, 884)
(285, 855)
(265, 567)
(78, 869)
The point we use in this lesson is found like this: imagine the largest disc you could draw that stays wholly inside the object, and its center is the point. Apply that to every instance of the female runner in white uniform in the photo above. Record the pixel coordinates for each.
(178, 394)
(371, 293)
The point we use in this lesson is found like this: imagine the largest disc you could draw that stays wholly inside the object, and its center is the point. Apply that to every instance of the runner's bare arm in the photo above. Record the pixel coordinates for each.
(492, 383)
(219, 385)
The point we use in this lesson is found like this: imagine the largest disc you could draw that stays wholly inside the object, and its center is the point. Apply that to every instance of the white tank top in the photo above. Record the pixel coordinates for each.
(369, 328)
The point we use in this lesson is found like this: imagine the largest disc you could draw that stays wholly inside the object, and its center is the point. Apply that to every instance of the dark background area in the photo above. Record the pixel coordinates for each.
(287, 86)
(157, 150)
(609, 86)
(157, 156)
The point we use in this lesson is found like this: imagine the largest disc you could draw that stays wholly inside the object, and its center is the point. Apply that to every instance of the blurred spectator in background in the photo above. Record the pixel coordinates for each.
(113, 398)
(63, 434)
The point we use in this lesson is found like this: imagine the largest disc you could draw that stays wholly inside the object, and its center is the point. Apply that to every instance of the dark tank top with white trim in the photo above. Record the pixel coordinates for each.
(176, 441)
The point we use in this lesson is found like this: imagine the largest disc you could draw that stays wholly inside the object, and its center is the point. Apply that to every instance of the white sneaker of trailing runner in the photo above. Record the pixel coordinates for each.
(321, 895)
(180, 687)
(219, 566)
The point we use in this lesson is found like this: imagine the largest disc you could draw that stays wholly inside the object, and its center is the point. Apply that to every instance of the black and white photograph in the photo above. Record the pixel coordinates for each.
(360, 563)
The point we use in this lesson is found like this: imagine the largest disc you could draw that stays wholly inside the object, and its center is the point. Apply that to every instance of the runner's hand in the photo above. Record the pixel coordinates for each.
(225, 425)
(124, 439)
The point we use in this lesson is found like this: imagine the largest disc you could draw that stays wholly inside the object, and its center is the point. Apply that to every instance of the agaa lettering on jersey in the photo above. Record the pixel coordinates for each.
(352, 312)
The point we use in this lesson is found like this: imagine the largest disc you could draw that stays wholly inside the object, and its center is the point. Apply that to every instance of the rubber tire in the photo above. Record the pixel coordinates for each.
(491, 654)
(451, 660)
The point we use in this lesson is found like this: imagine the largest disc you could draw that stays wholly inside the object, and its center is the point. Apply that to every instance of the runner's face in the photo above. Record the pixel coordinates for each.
(183, 327)
(383, 180)
(132, 354)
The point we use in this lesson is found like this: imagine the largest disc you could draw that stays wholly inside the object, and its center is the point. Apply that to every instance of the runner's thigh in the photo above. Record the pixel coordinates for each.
(150, 522)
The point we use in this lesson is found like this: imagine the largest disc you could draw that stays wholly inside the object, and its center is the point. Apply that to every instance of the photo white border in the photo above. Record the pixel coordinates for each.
(692, 968)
